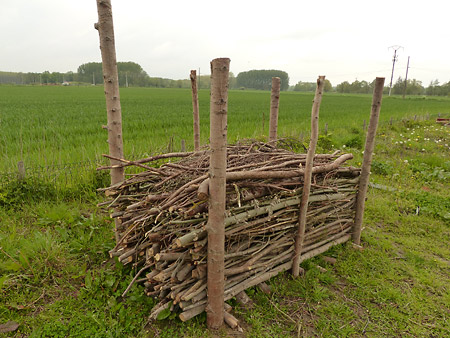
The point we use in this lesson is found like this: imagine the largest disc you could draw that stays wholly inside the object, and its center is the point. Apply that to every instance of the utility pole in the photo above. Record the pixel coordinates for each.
(406, 79)
(394, 59)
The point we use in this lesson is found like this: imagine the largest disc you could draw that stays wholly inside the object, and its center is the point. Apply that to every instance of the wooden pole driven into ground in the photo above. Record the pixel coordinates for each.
(195, 110)
(367, 159)
(307, 178)
(216, 227)
(274, 104)
(105, 29)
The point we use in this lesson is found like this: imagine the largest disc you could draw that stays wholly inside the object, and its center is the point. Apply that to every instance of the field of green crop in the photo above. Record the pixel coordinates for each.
(57, 125)
(56, 277)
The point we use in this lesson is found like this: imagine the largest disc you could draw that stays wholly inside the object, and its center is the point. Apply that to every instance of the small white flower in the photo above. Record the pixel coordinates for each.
(405, 161)
(423, 149)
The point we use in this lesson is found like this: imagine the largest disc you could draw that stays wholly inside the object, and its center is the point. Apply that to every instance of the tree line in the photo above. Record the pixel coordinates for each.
(132, 74)
(413, 87)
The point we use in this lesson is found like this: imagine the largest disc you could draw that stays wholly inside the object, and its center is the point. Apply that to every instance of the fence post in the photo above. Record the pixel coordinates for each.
(196, 113)
(21, 169)
(367, 159)
(105, 29)
(217, 188)
(307, 178)
(274, 104)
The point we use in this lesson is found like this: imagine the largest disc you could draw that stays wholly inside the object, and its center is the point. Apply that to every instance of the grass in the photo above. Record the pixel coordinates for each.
(58, 125)
(56, 279)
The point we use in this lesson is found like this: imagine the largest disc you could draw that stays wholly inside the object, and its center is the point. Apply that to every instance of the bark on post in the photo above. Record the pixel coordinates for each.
(307, 178)
(367, 159)
(274, 103)
(216, 230)
(105, 29)
(195, 110)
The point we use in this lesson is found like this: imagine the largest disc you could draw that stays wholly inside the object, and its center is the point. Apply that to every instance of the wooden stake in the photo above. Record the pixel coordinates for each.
(274, 103)
(308, 174)
(21, 170)
(367, 159)
(105, 29)
(216, 230)
(195, 110)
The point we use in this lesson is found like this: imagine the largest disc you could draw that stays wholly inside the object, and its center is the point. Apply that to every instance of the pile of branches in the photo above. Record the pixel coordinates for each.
(163, 214)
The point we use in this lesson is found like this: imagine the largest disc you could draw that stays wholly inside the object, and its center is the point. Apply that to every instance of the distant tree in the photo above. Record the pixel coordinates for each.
(262, 79)
(311, 86)
(328, 87)
(305, 86)
(88, 72)
(343, 87)
(433, 88)
(413, 87)
(356, 87)
(232, 81)
(129, 72)
(398, 87)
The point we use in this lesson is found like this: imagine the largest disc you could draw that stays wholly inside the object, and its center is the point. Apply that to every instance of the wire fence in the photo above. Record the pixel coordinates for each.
(71, 174)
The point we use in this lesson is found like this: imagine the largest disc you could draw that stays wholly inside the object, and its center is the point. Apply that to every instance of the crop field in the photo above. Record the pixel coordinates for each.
(56, 277)
(56, 125)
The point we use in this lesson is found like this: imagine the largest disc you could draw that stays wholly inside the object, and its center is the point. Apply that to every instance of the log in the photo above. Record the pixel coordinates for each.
(231, 320)
(151, 158)
(330, 260)
(260, 174)
(186, 315)
(264, 287)
(243, 299)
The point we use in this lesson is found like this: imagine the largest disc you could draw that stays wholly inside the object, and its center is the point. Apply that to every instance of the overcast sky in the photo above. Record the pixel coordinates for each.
(344, 40)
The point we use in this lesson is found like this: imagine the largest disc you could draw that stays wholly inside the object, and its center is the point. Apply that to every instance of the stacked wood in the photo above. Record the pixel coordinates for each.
(164, 211)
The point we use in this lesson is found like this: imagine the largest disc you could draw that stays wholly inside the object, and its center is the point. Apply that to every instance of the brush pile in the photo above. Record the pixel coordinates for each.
(163, 215)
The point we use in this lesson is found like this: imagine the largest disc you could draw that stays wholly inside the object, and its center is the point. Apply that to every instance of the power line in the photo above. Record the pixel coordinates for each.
(406, 79)
(394, 59)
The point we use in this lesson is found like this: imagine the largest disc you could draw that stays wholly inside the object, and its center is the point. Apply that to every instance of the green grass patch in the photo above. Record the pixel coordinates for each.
(56, 276)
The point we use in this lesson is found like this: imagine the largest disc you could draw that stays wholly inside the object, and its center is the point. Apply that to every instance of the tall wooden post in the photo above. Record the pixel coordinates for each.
(105, 29)
(367, 159)
(274, 104)
(307, 178)
(195, 110)
(216, 230)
